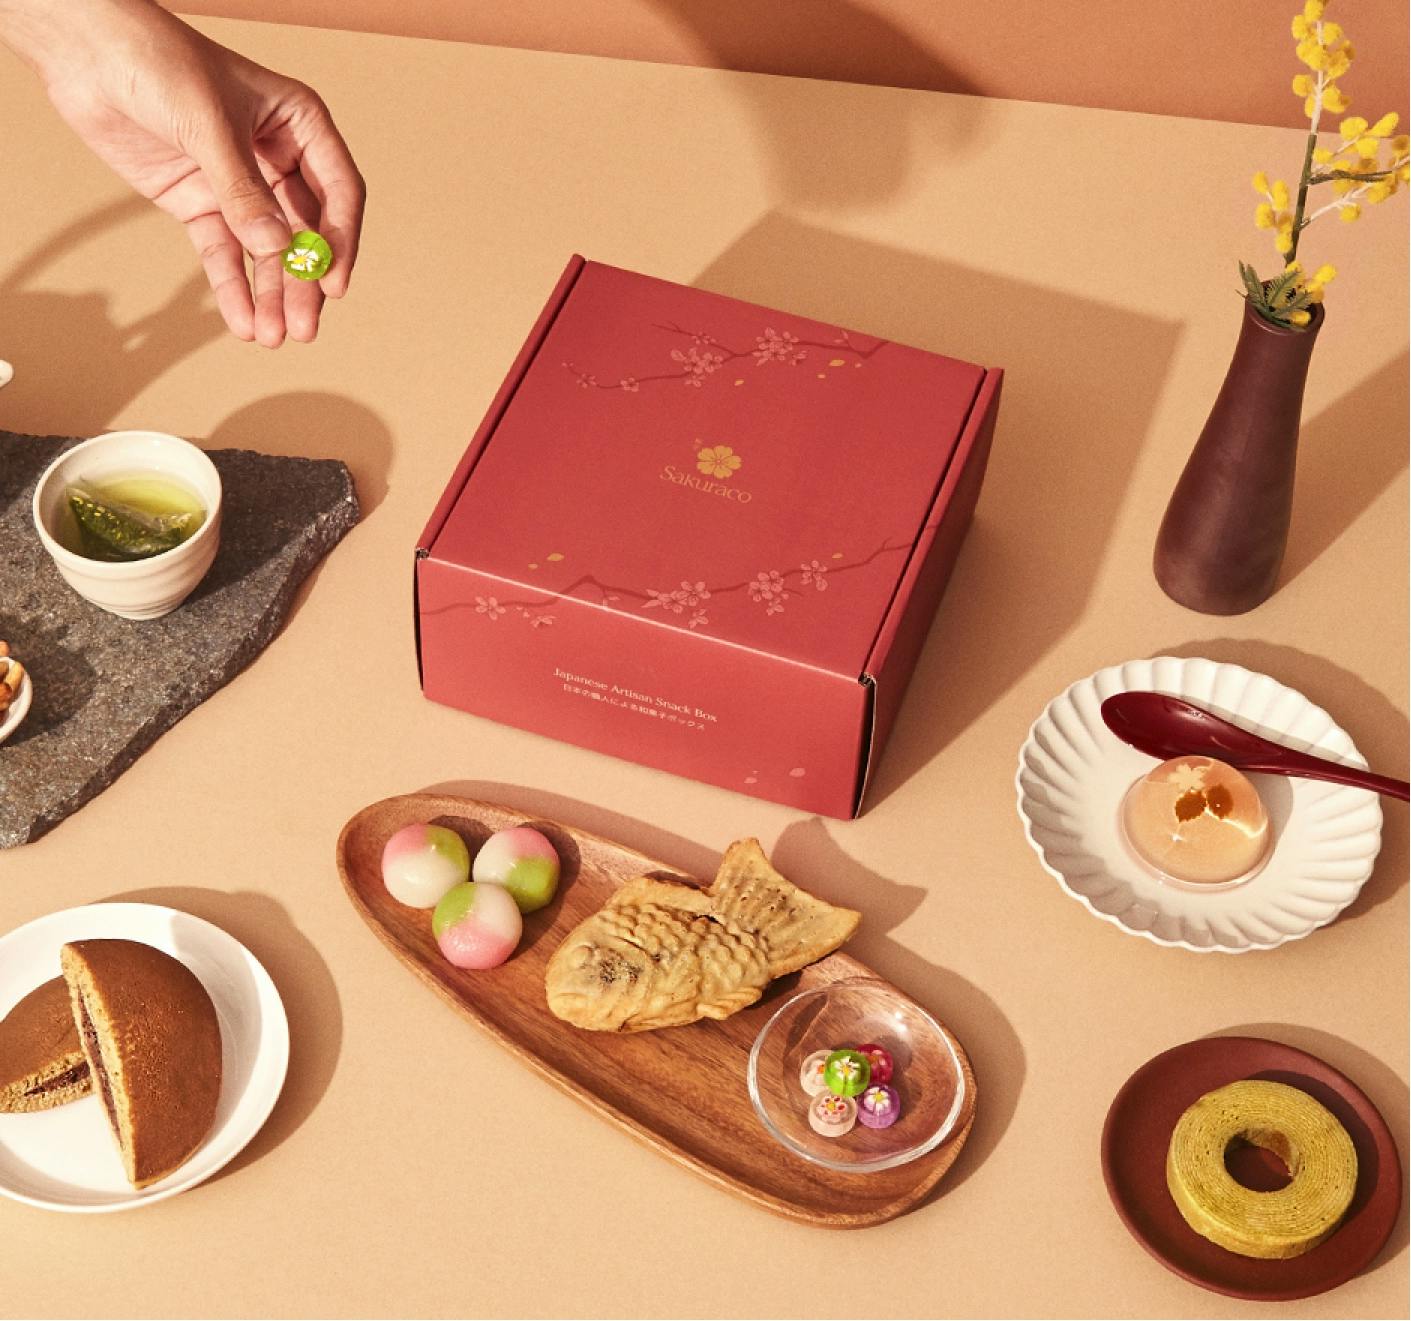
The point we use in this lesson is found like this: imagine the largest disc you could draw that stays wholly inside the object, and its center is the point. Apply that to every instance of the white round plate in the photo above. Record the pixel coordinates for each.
(66, 1159)
(1073, 772)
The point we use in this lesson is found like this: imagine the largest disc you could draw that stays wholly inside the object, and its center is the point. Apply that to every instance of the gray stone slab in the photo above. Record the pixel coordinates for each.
(105, 689)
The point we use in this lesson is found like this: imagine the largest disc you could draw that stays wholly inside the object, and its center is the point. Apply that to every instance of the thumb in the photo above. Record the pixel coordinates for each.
(245, 199)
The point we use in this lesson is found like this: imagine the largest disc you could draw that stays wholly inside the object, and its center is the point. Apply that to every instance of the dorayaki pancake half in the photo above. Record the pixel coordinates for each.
(150, 1035)
(41, 1061)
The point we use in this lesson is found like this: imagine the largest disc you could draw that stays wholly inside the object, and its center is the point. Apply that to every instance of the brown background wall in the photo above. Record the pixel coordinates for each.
(1214, 59)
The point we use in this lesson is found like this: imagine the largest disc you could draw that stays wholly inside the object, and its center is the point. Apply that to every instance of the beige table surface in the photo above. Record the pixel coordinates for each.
(1090, 253)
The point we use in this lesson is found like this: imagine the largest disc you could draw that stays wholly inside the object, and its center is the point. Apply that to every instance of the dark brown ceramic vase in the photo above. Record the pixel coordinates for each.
(1223, 537)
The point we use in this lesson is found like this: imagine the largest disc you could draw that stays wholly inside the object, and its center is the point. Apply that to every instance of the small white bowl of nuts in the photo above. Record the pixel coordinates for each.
(15, 692)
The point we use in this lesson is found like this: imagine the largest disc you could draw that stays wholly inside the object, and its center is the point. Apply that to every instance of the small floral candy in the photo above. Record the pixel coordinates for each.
(811, 1073)
(879, 1106)
(308, 255)
(847, 1073)
(831, 1116)
(880, 1058)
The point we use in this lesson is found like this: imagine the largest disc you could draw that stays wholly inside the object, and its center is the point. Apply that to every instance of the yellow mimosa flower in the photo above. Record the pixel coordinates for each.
(1335, 99)
(1264, 216)
(1331, 34)
(1385, 125)
(1350, 212)
(1401, 144)
(1380, 191)
(1261, 183)
(1310, 106)
(1281, 195)
(1352, 127)
(1313, 55)
(1404, 173)
(1339, 62)
(1284, 242)
(1341, 187)
(1299, 318)
(1299, 27)
(1325, 275)
(1313, 10)
(1322, 155)
(1368, 147)
(1302, 84)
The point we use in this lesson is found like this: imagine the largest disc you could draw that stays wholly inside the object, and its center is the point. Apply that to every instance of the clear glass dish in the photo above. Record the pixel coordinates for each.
(928, 1077)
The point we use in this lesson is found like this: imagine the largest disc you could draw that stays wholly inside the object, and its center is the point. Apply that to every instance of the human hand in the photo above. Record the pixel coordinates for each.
(239, 154)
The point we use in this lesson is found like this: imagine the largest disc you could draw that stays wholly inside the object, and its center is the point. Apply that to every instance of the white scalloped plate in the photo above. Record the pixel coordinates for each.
(1073, 772)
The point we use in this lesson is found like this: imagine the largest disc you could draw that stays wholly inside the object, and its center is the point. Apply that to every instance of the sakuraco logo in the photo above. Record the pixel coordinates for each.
(718, 462)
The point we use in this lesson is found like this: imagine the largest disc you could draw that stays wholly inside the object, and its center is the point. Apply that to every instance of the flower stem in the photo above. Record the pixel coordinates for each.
(1298, 222)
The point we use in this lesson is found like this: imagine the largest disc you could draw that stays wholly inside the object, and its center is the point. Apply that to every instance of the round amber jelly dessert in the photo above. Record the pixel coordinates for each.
(1198, 822)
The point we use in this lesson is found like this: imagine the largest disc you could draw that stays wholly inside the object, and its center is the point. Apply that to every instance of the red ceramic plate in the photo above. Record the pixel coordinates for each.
(1138, 1131)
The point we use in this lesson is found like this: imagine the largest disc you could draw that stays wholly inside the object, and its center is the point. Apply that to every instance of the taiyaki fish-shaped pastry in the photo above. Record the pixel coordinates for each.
(663, 953)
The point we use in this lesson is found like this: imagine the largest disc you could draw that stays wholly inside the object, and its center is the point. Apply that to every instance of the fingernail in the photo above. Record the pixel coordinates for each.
(269, 236)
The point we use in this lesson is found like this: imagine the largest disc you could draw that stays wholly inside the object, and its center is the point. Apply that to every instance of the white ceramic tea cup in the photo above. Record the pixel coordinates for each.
(134, 589)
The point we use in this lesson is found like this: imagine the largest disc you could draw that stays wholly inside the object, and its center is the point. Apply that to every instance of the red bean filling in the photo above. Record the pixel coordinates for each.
(90, 1038)
(65, 1079)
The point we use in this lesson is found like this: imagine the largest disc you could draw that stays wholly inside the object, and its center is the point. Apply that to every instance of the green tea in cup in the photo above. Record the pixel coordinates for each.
(131, 517)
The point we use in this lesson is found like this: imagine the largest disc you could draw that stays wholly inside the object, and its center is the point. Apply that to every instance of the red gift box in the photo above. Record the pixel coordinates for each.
(703, 535)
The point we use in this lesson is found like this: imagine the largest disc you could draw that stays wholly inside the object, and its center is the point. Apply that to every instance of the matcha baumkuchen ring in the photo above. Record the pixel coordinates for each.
(1307, 1137)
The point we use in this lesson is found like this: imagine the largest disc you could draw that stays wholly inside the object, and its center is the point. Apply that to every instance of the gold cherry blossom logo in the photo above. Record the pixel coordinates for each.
(717, 461)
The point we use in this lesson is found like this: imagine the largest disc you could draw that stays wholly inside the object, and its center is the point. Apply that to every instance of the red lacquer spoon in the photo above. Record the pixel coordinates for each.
(1166, 727)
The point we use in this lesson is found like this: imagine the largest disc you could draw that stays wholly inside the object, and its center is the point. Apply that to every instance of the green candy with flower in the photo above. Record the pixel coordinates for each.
(1368, 165)
(847, 1072)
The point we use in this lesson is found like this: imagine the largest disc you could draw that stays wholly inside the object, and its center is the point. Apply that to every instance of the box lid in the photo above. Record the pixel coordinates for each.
(710, 465)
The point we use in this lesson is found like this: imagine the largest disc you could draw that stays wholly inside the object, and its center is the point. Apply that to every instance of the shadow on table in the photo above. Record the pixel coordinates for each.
(304, 984)
(315, 424)
(312, 424)
(1081, 384)
(1383, 1087)
(1347, 456)
(71, 348)
(1377, 727)
(804, 123)
(806, 850)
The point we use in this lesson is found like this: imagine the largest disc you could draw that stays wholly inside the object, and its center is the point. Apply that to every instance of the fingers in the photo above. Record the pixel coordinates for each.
(282, 305)
(303, 299)
(327, 166)
(244, 198)
(223, 260)
(269, 301)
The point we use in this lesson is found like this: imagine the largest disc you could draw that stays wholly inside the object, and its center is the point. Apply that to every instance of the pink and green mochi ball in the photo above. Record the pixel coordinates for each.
(421, 862)
(477, 925)
(524, 862)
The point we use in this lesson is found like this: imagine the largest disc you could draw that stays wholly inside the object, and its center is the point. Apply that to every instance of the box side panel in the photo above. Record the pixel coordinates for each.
(904, 630)
(639, 690)
(500, 402)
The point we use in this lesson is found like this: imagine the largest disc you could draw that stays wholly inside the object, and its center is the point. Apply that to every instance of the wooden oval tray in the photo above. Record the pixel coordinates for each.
(714, 1133)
